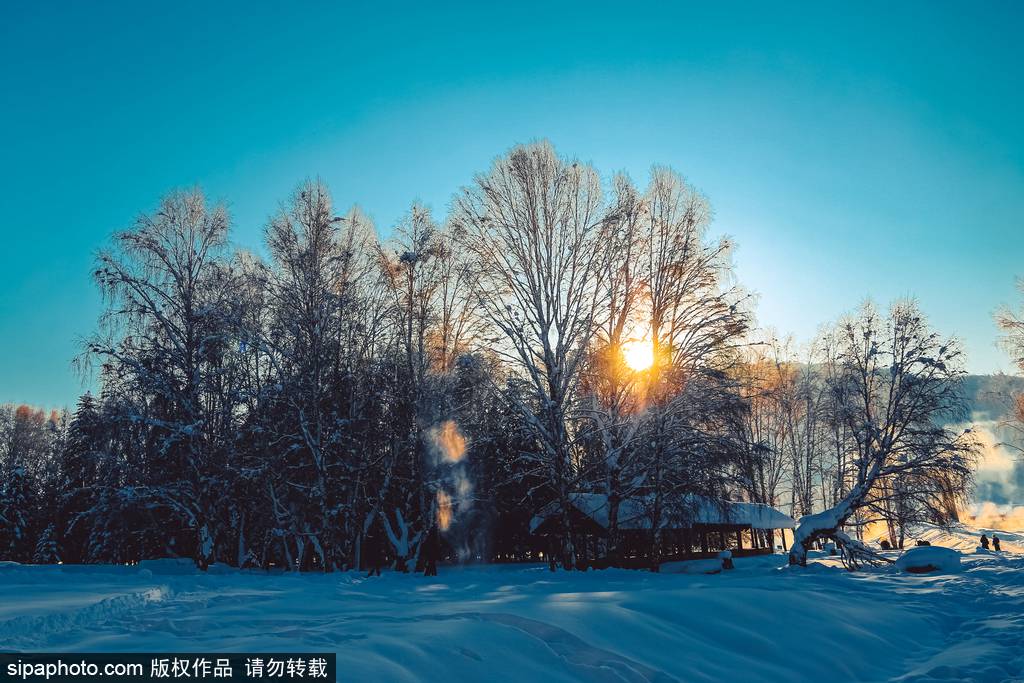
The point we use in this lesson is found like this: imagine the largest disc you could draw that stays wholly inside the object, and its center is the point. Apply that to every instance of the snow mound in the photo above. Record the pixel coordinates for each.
(929, 558)
(21, 631)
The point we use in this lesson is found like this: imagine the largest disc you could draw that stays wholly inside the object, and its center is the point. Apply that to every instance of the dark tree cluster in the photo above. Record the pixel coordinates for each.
(340, 401)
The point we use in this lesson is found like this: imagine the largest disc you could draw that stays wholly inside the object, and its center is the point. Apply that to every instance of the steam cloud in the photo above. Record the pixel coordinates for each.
(999, 496)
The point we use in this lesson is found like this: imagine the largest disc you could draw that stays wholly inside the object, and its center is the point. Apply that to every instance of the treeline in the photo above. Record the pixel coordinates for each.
(556, 333)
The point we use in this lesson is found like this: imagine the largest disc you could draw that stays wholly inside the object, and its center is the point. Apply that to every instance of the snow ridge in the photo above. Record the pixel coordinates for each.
(32, 631)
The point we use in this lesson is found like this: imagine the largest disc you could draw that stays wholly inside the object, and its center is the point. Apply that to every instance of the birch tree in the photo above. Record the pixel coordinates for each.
(697, 319)
(613, 392)
(412, 272)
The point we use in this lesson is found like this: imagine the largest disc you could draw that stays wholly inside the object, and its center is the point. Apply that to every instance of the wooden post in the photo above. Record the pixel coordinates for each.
(739, 539)
(783, 532)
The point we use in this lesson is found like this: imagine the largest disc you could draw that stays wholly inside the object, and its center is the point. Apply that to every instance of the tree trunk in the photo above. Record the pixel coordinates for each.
(614, 498)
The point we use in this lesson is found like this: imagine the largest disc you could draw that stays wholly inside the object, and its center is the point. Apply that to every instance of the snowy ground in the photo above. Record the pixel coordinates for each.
(511, 623)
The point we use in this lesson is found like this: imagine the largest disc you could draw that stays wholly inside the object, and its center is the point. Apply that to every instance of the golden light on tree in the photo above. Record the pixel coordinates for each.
(638, 354)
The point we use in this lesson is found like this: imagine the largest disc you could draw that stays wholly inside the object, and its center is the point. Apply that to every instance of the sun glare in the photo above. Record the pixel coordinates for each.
(639, 354)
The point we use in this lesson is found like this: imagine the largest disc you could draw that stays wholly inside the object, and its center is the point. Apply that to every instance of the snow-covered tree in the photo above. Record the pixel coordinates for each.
(613, 393)
(697, 319)
(412, 273)
(667, 291)
(47, 550)
(282, 411)
(81, 480)
(165, 329)
(319, 262)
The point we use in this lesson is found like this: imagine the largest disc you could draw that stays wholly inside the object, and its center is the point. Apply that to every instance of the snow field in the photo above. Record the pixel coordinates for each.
(759, 622)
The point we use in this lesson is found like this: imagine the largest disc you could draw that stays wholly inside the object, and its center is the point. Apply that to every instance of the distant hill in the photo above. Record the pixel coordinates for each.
(989, 396)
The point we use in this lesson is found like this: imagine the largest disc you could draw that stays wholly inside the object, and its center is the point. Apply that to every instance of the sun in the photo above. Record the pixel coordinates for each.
(638, 354)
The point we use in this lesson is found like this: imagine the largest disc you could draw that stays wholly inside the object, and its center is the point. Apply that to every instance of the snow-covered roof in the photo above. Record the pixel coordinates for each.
(633, 512)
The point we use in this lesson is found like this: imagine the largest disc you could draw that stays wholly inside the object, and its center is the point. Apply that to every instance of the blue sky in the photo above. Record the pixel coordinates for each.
(875, 151)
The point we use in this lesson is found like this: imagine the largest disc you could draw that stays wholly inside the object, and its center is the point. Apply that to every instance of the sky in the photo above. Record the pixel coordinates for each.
(851, 150)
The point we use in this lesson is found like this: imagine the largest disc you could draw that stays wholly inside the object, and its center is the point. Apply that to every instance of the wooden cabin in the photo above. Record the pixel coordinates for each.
(695, 527)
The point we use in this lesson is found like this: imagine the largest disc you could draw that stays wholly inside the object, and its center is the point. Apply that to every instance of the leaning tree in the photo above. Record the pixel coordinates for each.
(898, 389)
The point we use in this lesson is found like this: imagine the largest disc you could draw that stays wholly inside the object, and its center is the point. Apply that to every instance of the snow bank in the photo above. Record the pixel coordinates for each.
(929, 558)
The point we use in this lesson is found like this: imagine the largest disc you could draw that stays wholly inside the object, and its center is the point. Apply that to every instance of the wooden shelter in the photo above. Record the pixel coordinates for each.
(695, 527)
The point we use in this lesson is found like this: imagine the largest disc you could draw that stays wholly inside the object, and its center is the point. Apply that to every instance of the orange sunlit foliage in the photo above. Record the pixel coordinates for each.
(34, 417)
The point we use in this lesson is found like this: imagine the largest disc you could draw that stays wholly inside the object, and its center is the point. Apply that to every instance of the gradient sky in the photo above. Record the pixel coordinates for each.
(866, 150)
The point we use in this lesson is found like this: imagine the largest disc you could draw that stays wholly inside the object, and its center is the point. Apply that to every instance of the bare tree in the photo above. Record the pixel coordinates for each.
(767, 382)
(614, 392)
(534, 226)
(413, 275)
(456, 327)
(697, 319)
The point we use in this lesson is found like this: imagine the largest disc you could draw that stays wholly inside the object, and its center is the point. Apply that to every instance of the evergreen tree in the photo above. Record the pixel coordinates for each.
(15, 522)
(80, 477)
(47, 549)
